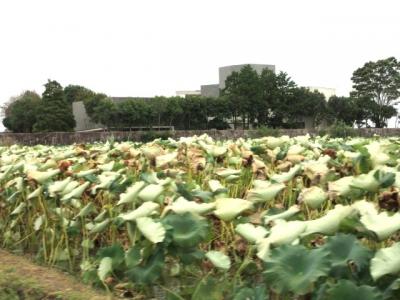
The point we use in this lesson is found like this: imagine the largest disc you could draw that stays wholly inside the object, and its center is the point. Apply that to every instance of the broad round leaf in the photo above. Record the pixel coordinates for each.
(295, 268)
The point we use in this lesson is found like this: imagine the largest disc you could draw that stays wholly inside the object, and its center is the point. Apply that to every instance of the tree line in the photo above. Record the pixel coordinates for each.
(248, 100)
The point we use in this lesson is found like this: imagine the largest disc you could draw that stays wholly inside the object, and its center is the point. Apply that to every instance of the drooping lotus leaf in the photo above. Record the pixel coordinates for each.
(144, 210)
(291, 211)
(329, 223)
(295, 268)
(84, 173)
(219, 259)
(382, 224)
(187, 230)
(181, 206)
(366, 182)
(386, 261)
(69, 188)
(105, 268)
(208, 288)
(89, 208)
(265, 194)
(162, 160)
(42, 177)
(313, 197)
(228, 208)
(20, 208)
(153, 231)
(35, 193)
(224, 172)
(58, 186)
(341, 187)
(99, 227)
(151, 192)
(347, 253)
(106, 180)
(287, 176)
(149, 270)
(76, 193)
(131, 193)
(347, 290)
(250, 232)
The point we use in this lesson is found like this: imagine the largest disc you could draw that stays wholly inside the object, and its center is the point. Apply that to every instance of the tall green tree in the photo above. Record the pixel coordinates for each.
(75, 93)
(20, 114)
(380, 82)
(278, 91)
(244, 91)
(54, 113)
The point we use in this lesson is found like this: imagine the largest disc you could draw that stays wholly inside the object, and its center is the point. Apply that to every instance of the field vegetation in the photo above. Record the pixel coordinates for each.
(195, 218)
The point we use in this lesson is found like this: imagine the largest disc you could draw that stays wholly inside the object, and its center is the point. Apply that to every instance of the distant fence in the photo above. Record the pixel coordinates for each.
(64, 138)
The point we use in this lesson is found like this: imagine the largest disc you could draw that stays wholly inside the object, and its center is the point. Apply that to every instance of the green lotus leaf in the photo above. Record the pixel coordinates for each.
(76, 193)
(115, 252)
(386, 261)
(250, 232)
(151, 192)
(145, 210)
(219, 259)
(257, 293)
(208, 288)
(105, 268)
(313, 197)
(345, 251)
(188, 230)
(347, 290)
(133, 257)
(149, 270)
(295, 268)
(153, 231)
(131, 193)
(181, 206)
(291, 211)
(228, 208)
(265, 194)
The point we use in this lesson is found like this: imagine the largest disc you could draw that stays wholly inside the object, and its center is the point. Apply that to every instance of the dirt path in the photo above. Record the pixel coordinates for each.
(53, 283)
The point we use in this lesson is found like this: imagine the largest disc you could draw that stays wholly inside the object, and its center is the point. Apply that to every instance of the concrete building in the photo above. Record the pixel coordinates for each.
(213, 90)
(184, 93)
(327, 92)
(82, 119)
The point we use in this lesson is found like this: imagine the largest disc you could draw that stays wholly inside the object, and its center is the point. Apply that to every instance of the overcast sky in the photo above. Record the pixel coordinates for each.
(147, 48)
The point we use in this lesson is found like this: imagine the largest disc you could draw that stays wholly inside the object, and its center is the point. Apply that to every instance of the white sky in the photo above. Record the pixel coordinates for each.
(147, 48)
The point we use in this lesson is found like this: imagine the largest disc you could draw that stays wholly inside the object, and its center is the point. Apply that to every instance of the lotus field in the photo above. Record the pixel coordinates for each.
(194, 218)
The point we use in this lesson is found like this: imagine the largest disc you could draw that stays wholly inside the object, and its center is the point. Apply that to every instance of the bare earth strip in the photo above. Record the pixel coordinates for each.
(55, 284)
